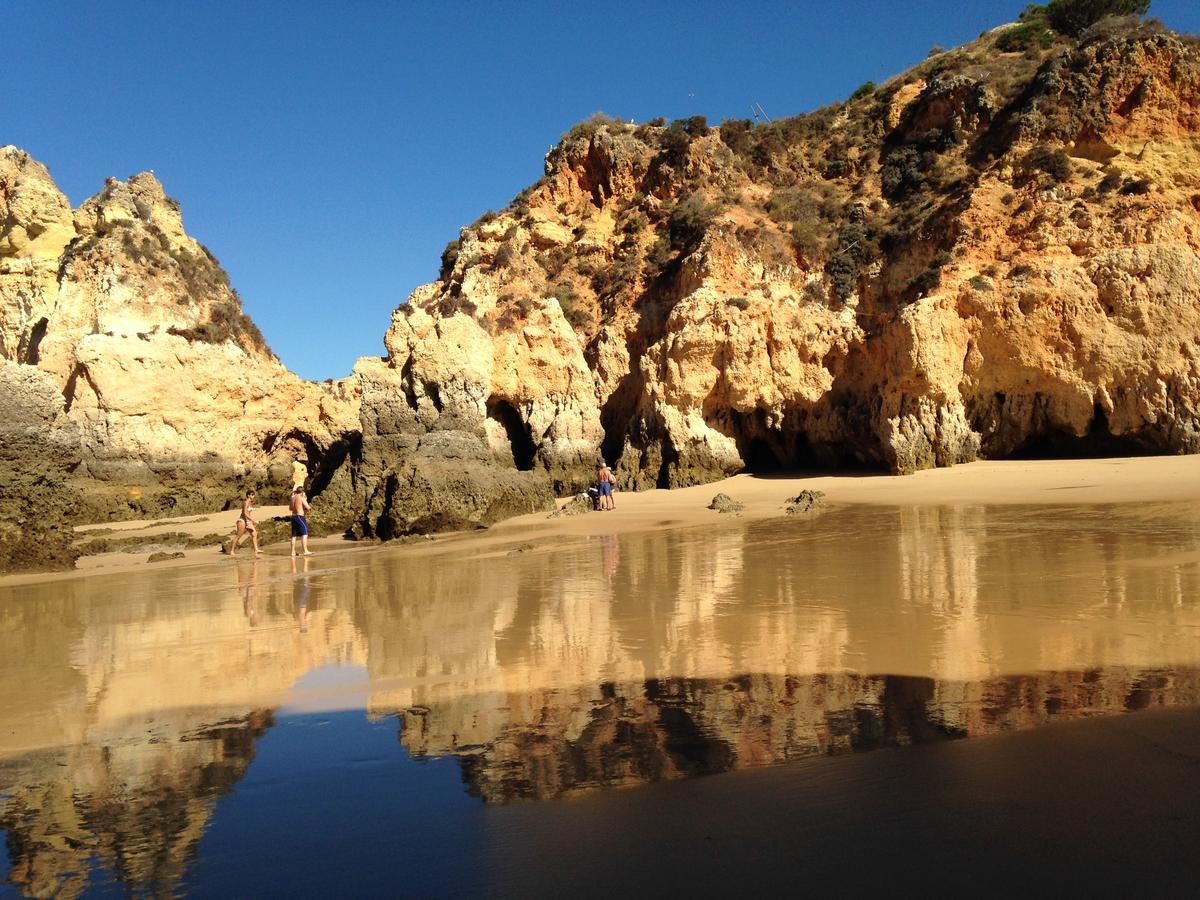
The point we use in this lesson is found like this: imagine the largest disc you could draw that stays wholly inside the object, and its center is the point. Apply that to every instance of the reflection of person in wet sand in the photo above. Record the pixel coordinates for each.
(299, 508)
(246, 524)
(610, 554)
(300, 595)
(247, 580)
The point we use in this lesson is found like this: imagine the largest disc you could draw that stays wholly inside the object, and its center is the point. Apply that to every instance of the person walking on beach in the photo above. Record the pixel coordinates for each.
(246, 524)
(299, 508)
(604, 478)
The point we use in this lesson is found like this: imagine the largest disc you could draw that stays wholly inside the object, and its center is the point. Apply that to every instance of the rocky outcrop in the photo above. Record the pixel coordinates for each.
(994, 254)
(39, 446)
(178, 401)
(804, 503)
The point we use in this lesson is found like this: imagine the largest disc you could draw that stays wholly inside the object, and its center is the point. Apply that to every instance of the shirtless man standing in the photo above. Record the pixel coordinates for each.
(299, 508)
(604, 478)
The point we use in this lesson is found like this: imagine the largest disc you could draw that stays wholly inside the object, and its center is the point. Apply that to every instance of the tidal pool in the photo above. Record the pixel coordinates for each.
(352, 722)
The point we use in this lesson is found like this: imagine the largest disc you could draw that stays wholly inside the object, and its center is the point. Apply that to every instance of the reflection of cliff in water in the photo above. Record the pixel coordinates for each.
(621, 735)
(128, 711)
(137, 811)
(495, 658)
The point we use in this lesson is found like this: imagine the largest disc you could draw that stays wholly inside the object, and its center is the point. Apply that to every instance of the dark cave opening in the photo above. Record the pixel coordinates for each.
(1098, 443)
(326, 465)
(759, 457)
(520, 438)
(769, 449)
(36, 335)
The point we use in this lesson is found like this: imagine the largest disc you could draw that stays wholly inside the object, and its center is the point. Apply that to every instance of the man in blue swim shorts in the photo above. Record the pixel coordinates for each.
(299, 508)
(604, 480)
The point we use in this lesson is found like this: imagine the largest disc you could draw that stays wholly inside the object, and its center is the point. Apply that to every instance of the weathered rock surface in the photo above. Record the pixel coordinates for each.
(178, 401)
(994, 254)
(39, 446)
(166, 556)
(805, 502)
(576, 506)
(427, 461)
(723, 503)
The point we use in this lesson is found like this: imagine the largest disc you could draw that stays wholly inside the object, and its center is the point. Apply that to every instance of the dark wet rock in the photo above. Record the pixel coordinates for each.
(164, 555)
(215, 539)
(805, 502)
(39, 447)
(135, 543)
(426, 466)
(576, 506)
(726, 504)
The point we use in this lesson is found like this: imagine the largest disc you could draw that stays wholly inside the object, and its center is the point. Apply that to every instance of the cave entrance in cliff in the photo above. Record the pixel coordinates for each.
(760, 457)
(766, 449)
(1098, 443)
(520, 438)
(33, 352)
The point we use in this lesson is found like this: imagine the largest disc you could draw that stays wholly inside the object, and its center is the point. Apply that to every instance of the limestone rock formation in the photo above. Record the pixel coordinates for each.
(992, 254)
(995, 253)
(178, 400)
(723, 503)
(576, 506)
(805, 502)
(39, 446)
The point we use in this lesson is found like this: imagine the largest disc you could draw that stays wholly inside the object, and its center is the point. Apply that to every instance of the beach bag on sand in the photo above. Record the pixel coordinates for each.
(594, 494)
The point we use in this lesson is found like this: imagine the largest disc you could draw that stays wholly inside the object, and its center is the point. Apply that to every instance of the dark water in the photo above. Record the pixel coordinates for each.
(346, 726)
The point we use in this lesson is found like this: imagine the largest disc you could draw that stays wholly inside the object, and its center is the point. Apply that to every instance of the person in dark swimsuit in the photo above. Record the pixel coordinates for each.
(299, 508)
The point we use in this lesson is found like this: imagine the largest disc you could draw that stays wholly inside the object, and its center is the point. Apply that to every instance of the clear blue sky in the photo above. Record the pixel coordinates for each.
(326, 152)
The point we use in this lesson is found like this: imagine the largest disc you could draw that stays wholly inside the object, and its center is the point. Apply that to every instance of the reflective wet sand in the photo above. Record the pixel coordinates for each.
(136, 704)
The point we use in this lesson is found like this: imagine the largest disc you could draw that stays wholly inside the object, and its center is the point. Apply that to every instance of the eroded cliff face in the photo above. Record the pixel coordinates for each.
(178, 401)
(39, 448)
(993, 254)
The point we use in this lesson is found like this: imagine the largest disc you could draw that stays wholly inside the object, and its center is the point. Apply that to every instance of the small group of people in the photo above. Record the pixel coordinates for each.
(298, 506)
(603, 489)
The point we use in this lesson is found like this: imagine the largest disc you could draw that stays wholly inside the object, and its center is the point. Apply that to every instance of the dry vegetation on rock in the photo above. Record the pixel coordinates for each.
(993, 253)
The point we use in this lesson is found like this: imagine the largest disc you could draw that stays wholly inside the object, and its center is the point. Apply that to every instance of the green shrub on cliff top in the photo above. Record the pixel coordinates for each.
(866, 89)
(1069, 17)
(1073, 17)
(689, 220)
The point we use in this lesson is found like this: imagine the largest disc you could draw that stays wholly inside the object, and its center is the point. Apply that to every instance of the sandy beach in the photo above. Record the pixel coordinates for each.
(1031, 482)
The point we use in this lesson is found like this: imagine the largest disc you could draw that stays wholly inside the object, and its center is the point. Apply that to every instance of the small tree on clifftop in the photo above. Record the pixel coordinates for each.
(1073, 17)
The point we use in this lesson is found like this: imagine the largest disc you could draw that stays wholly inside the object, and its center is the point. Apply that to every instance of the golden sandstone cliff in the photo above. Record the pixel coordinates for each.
(177, 401)
(995, 253)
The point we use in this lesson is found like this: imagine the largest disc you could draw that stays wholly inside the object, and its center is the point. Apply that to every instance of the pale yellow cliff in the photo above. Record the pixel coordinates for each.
(179, 402)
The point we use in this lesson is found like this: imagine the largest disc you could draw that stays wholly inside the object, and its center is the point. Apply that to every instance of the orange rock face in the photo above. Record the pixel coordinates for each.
(993, 254)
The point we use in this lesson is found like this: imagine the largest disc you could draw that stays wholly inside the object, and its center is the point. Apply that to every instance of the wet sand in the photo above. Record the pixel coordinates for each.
(1052, 482)
(401, 705)
(1104, 807)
